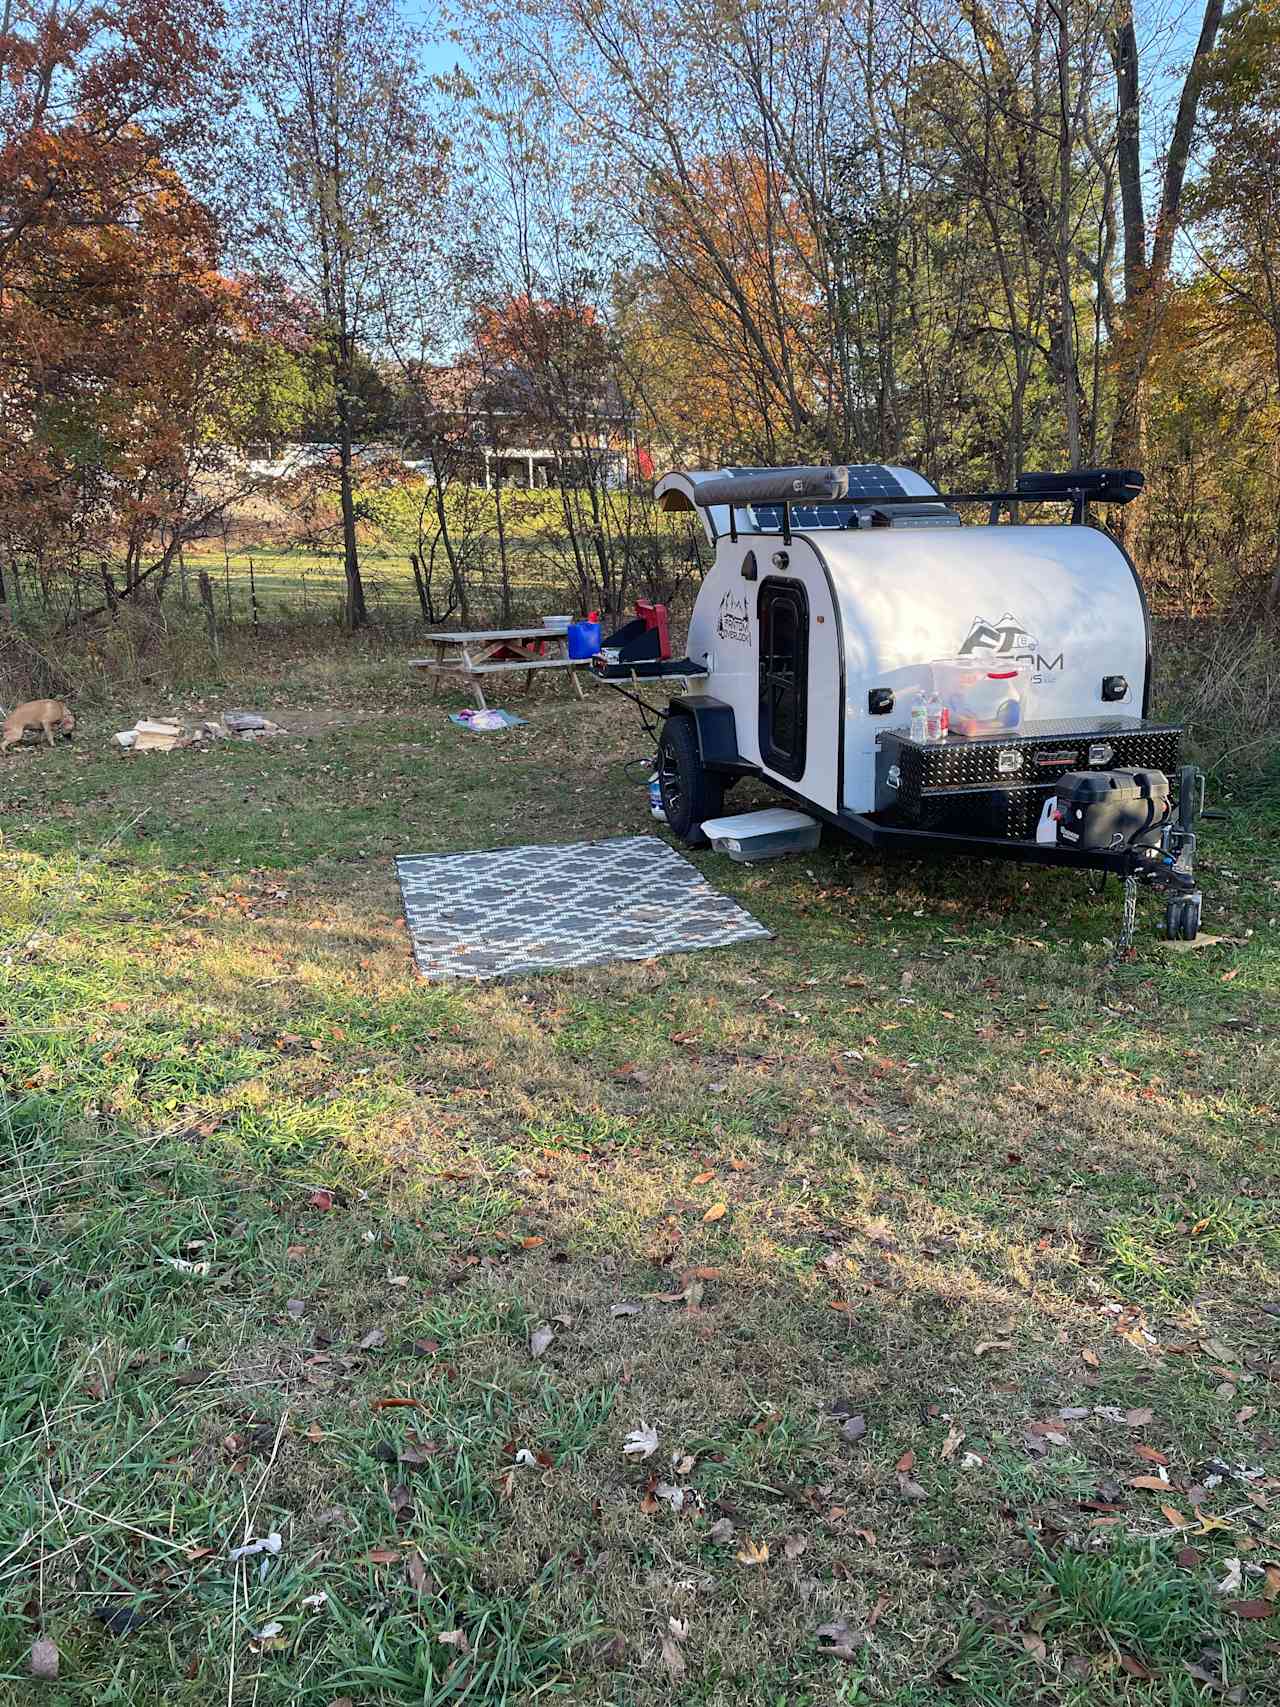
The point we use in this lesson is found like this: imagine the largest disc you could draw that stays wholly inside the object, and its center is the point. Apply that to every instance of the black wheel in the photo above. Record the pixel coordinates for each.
(690, 792)
(1191, 916)
(1182, 918)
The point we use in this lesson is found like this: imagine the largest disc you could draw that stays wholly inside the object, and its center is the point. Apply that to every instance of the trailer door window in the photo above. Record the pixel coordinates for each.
(784, 675)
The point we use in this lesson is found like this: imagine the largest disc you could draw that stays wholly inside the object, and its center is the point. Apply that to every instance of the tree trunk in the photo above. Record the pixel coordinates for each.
(1144, 279)
(354, 615)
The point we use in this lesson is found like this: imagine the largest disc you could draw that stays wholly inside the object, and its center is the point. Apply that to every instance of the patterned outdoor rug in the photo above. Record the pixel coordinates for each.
(533, 909)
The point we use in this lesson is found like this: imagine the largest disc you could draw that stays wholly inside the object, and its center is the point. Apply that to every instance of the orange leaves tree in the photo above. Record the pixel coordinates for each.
(112, 312)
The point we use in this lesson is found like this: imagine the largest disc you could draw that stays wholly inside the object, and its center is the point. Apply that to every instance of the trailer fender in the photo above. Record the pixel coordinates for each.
(717, 732)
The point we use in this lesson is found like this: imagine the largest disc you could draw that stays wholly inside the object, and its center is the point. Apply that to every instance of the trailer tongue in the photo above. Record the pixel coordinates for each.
(925, 685)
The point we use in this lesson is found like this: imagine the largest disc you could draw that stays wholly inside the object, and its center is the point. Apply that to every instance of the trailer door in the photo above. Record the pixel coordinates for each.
(784, 676)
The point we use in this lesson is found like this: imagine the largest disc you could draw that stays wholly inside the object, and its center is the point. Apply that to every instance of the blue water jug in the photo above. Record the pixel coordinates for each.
(583, 639)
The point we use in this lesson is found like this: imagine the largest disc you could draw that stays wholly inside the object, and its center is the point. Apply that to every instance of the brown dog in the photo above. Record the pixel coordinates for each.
(47, 714)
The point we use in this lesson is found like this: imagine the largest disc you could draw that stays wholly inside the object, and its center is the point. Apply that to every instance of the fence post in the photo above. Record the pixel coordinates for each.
(253, 594)
(210, 616)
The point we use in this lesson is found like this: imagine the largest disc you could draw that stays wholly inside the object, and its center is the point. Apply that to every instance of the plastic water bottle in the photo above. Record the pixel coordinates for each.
(933, 718)
(919, 718)
(655, 799)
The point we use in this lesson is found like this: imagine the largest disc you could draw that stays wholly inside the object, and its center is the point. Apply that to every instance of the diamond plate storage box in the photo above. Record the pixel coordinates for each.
(997, 785)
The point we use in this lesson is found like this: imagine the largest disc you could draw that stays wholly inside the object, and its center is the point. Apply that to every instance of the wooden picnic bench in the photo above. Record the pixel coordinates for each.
(483, 651)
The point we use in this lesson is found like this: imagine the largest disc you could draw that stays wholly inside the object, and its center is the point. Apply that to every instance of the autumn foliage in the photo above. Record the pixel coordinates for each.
(112, 308)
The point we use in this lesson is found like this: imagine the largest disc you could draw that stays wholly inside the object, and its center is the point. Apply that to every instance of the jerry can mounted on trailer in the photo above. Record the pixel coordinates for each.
(921, 685)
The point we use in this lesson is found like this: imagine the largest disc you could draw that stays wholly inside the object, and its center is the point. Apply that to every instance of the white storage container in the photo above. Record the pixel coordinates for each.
(763, 835)
(556, 624)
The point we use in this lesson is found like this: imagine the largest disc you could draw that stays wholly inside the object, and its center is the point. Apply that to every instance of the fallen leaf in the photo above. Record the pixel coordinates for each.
(716, 1212)
(721, 1531)
(1034, 1645)
(1189, 1557)
(1174, 1516)
(1202, 1674)
(296, 1306)
(853, 1428)
(382, 1555)
(704, 1178)
(626, 1310)
(1228, 976)
(1151, 1455)
(753, 1553)
(322, 1200)
(395, 1403)
(670, 1495)
(1156, 1484)
(541, 1338)
(840, 1641)
(1230, 1584)
(1251, 1608)
(43, 1661)
(682, 1463)
(416, 1572)
(1272, 1590)
(532, 1242)
(910, 1489)
(1135, 1668)
(906, 1462)
(1138, 1416)
(455, 1639)
(984, 1346)
(374, 1338)
(672, 1658)
(954, 1437)
(878, 1611)
(642, 1442)
(866, 1535)
(121, 1620)
(794, 1545)
(1091, 1358)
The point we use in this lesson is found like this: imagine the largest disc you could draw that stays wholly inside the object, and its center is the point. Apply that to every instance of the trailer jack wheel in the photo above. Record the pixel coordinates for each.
(1182, 917)
(690, 792)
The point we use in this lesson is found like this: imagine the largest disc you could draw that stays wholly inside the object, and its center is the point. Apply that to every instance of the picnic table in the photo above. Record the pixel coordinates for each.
(482, 651)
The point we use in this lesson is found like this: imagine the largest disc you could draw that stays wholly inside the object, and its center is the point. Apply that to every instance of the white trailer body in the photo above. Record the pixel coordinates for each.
(877, 604)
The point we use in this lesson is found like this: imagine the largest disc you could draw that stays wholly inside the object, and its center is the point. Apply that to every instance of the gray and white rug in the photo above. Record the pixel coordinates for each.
(534, 909)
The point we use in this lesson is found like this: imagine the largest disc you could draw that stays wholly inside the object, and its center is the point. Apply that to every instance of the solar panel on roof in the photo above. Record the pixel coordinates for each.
(870, 480)
(867, 482)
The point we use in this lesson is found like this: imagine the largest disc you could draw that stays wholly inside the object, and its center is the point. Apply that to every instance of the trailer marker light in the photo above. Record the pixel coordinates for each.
(1101, 754)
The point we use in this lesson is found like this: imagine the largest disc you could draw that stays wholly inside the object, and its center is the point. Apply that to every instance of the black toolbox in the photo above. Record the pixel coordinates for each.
(997, 785)
(1112, 809)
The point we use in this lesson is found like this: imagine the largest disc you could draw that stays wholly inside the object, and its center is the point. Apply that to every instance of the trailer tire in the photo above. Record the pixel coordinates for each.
(690, 792)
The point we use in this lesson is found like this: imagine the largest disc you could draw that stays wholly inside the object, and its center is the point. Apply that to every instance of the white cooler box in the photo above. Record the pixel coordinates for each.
(763, 835)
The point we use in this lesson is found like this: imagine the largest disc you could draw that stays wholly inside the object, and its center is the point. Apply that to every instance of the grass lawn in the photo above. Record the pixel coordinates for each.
(928, 1262)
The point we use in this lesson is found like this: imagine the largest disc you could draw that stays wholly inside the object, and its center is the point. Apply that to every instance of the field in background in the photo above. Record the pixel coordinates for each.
(935, 1254)
(302, 577)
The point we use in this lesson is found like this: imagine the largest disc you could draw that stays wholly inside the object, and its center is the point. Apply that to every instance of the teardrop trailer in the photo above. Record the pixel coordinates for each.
(843, 598)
